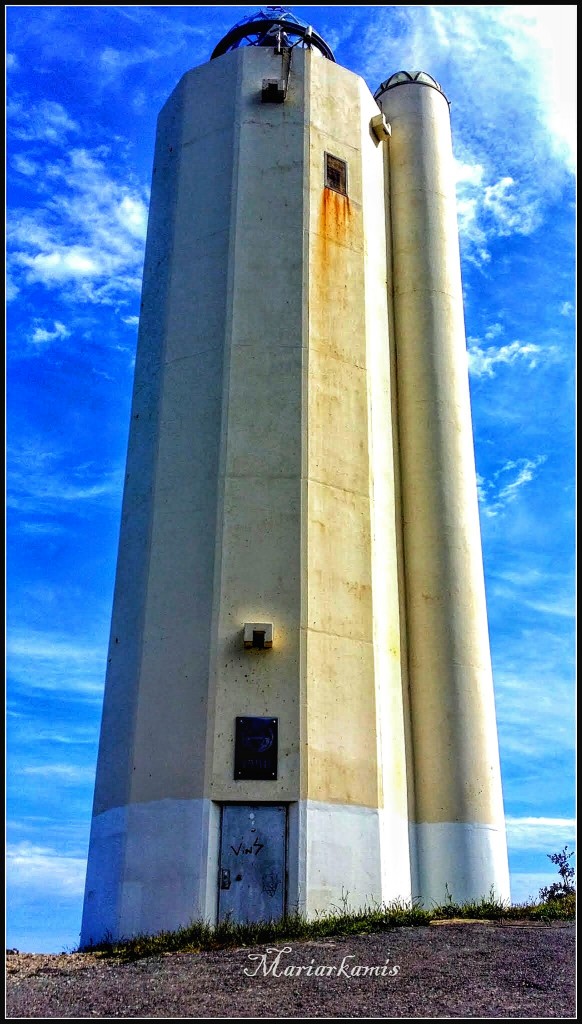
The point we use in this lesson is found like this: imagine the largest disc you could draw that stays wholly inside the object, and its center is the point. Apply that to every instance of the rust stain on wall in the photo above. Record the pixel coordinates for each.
(334, 236)
(334, 218)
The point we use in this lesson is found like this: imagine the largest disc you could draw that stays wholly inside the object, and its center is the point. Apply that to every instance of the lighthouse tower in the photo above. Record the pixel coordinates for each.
(299, 701)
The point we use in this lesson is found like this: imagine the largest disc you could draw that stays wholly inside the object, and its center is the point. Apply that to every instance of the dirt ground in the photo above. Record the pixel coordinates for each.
(484, 970)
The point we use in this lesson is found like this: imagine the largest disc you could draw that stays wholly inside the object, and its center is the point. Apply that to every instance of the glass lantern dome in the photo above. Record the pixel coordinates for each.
(272, 26)
(404, 78)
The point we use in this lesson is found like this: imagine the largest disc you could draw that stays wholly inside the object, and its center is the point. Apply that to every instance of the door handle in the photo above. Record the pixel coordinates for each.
(225, 878)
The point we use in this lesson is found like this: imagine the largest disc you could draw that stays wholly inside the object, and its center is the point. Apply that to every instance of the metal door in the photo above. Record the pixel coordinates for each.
(251, 876)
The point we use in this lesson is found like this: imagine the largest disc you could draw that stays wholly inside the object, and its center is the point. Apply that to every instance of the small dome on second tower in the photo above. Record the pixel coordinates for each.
(405, 77)
(272, 26)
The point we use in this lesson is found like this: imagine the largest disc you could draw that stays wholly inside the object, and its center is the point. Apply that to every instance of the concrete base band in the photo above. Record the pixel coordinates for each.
(464, 860)
(147, 868)
(154, 866)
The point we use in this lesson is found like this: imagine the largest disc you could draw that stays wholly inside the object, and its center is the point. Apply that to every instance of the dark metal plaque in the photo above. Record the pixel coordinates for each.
(255, 748)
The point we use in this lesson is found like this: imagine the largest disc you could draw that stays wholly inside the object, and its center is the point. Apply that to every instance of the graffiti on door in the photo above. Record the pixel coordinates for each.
(251, 879)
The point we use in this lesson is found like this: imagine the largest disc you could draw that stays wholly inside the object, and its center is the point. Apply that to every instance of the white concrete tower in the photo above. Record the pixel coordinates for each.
(458, 826)
(258, 750)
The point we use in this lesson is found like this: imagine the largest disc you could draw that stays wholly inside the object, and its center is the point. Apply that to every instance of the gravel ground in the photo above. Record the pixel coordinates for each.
(482, 970)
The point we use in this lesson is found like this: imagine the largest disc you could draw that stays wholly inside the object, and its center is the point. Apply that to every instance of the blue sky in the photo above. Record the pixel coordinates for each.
(85, 85)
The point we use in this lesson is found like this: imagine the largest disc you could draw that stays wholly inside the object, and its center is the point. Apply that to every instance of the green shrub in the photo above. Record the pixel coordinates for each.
(565, 888)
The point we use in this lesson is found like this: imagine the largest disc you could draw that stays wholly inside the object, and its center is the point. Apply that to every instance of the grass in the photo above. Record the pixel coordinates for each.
(200, 935)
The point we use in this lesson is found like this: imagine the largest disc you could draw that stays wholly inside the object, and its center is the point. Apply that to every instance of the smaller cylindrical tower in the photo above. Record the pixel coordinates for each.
(458, 825)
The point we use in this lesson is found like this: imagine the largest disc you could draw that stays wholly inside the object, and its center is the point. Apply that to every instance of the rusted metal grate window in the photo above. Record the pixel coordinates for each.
(336, 174)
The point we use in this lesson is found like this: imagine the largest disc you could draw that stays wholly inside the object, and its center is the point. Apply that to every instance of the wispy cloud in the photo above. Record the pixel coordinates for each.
(547, 55)
(496, 49)
(511, 161)
(86, 237)
(113, 60)
(42, 529)
(46, 121)
(546, 726)
(484, 361)
(523, 469)
(494, 209)
(470, 193)
(503, 488)
(73, 835)
(540, 833)
(509, 214)
(562, 606)
(43, 494)
(37, 868)
(45, 661)
(41, 335)
(547, 593)
(42, 481)
(165, 35)
(62, 774)
(27, 728)
(23, 165)
(47, 647)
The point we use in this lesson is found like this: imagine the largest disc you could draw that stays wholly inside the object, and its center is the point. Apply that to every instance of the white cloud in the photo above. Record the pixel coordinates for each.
(132, 321)
(496, 49)
(562, 607)
(493, 331)
(525, 469)
(511, 214)
(12, 62)
(87, 235)
(495, 494)
(45, 661)
(42, 481)
(542, 39)
(567, 309)
(469, 183)
(57, 266)
(25, 228)
(41, 869)
(46, 121)
(12, 289)
(528, 576)
(468, 174)
(525, 586)
(47, 647)
(119, 60)
(482, 361)
(41, 335)
(64, 774)
(47, 492)
(535, 720)
(26, 727)
(42, 529)
(25, 166)
(133, 215)
(492, 209)
(139, 101)
(509, 73)
(549, 834)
